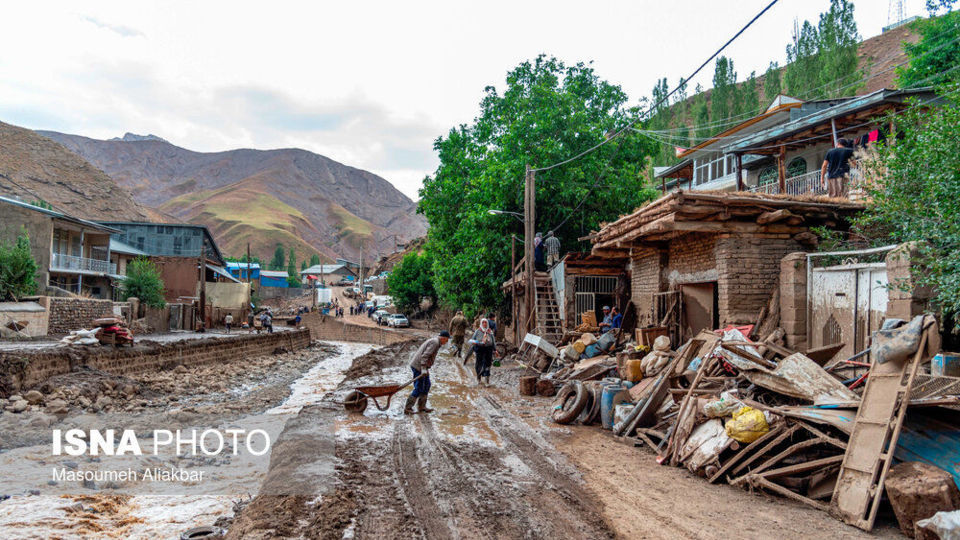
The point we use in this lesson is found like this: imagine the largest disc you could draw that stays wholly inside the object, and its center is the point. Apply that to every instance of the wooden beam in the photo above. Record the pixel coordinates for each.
(782, 169)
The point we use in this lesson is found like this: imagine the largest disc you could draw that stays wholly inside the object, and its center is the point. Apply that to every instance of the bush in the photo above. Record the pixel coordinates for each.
(18, 270)
(143, 282)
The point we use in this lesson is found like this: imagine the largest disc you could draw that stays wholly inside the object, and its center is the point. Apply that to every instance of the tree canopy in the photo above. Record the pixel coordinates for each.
(18, 269)
(935, 58)
(547, 112)
(143, 281)
(822, 59)
(411, 280)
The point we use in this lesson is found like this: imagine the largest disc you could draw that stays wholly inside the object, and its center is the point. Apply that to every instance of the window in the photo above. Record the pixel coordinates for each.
(711, 167)
(768, 176)
(796, 167)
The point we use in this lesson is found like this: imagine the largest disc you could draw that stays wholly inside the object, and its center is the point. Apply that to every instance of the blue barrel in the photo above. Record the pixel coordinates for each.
(606, 405)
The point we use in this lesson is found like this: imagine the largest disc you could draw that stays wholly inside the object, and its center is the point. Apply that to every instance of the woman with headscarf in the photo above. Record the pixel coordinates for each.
(485, 343)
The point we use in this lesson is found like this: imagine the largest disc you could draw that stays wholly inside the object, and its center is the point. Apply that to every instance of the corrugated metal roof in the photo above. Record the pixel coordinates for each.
(274, 273)
(322, 269)
(59, 215)
(117, 246)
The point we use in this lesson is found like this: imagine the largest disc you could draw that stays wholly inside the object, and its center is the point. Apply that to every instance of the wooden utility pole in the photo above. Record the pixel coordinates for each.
(529, 221)
(513, 289)
(782, 169)
(833, 129)
(203, 289)
(248, 262)
(739, 172)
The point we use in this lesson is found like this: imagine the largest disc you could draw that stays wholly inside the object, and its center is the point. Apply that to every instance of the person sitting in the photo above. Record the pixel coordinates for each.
(616, 319)
(607, 323)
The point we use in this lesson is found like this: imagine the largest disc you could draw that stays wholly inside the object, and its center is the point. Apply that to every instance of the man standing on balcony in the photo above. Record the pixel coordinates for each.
(835, 170)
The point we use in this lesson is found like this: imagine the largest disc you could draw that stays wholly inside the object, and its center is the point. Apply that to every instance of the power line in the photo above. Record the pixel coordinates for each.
(663, 99)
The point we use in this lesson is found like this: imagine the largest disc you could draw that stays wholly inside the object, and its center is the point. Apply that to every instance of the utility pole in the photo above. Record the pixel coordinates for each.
(529, 218)
(513, 289)
(203, 290)
(248, 263)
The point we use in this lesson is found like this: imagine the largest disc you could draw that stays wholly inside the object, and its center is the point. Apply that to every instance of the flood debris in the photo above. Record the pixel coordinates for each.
(760, 416)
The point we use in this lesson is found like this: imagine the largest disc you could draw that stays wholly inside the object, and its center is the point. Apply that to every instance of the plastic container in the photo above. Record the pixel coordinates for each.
(606, 404)
(633, 371)
(945, 364)
(621, 412)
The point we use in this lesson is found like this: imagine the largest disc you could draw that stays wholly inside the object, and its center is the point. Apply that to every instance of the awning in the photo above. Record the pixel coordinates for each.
(223, 272)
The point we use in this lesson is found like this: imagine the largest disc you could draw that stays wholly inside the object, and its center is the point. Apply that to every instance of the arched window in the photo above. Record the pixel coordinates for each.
(796, 167)
(767, 176)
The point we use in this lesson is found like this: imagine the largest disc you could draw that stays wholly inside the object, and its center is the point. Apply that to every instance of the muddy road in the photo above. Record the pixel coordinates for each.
(472, 469)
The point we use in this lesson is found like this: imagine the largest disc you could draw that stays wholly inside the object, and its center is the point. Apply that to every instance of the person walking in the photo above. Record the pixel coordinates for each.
(420, 364)
(228, 322)
(539, 262)
(835, 171)
(484, 342)
(552, 244)
(458, 329)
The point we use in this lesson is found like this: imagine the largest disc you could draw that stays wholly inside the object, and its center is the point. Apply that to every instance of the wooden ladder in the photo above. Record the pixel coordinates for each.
(549, 325)
(873, 440)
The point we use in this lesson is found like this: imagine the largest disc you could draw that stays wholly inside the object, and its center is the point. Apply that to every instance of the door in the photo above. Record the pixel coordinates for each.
(699, 308)
(847, 303)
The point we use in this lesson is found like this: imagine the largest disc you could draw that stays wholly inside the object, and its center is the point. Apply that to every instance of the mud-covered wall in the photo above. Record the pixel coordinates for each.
(68, 314)
(25, 369)
(334, 330)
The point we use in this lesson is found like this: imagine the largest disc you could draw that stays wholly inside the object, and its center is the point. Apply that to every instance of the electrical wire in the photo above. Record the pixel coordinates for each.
(622, 130)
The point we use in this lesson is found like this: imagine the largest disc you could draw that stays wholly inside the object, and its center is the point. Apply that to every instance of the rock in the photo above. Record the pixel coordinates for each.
(89, 484)
(33, 397)
(102, 403)
(129, 390)
(918, 491)
(15, 398)
(180, 369)
(43, 420)
(58, 406)
(19, 406)
(70, 464)
(84, 402)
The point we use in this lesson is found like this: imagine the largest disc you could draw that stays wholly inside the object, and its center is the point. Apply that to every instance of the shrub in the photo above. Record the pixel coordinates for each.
(143, 282)
(18, 269)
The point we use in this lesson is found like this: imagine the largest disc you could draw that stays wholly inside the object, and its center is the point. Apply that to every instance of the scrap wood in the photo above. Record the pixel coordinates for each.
(761, 482)
(799, 377)
(644, 411)
(822, 355)
(736, 347)
(687, 414)
(788, 432)
(745, 452)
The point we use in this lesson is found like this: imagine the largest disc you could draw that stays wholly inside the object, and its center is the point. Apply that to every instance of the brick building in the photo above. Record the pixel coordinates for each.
(705, 260)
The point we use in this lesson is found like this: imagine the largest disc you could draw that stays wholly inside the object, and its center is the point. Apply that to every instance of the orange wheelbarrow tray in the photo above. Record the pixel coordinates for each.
(356, 400)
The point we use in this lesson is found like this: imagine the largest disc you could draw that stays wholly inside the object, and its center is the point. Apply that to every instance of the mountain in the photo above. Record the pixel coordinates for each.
(133, 137)
(289, 196)
(34, 168)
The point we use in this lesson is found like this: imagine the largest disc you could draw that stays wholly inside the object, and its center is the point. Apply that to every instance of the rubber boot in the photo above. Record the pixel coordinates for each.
(422, 405)
(486, 380)
(408, 406)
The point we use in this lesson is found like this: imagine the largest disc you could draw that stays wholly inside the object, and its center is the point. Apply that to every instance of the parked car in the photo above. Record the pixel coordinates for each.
(398, 320)
(380, 316)
(344, 282)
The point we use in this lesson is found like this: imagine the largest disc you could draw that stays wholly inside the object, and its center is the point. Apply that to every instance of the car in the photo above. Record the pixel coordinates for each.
(380, 316)
(398, 320)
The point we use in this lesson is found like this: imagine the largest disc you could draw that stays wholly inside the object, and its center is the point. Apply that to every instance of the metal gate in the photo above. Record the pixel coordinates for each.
(585, 302)
(846, 302)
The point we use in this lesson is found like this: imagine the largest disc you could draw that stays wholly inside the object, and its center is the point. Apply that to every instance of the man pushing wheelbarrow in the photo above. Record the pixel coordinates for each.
(421, 363)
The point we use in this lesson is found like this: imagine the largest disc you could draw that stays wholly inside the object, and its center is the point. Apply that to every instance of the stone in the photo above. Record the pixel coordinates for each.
(19, 406)
(129, 390)
(33, 397)
(180, 369)
(917, 491)
(15, 398)
(102, 403)
(84, 402)
(58, 406)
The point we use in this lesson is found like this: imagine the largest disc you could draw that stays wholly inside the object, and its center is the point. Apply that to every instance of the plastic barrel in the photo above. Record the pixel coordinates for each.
(606, 405)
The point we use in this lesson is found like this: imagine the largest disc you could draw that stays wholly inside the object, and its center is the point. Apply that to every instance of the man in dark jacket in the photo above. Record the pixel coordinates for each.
(458, 329)
(421, 363)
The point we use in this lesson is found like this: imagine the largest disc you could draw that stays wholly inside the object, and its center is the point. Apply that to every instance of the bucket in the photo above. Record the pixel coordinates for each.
(945, 364)
(606, 404)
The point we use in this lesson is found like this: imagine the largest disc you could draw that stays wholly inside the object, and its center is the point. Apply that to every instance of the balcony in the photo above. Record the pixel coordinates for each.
(805, 184)
(69, 263)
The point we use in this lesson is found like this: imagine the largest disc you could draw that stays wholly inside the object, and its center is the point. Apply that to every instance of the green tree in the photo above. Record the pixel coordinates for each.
(411, 280)
(771, 83)
(303, 265)
(294, 282)
(749, 97)
(724, 97)
(314, 259)
(934, 55)
(701, 116)
(18, 269)
(548, 112)
(277, 263)
(292, 263)
(822, 59)
(143, 281)
(916, 194)
(934, 6)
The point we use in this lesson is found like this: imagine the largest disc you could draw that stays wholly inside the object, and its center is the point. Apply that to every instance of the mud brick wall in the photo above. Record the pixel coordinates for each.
(793, 300)
(906, 299)
(645, 265)
(332, 329)
(692, 259)
(68, 314)
(20, 371)
(748, 267)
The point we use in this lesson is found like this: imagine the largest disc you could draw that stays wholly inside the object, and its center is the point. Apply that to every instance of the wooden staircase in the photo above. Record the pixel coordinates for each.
(548, 323)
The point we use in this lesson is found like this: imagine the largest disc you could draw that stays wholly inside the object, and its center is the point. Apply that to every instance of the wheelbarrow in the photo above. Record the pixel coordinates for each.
(356, 401)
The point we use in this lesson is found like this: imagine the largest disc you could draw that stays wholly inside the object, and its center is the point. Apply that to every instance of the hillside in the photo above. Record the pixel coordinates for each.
(33, 167)
(292, 196)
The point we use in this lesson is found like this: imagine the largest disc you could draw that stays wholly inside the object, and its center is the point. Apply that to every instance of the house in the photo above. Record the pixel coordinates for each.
(700, 260)
(327, 273)
(175, 249)
(72, 254)
(274, 278)
(239, 270)
(786, 158)
(121, 254)
(781, 150)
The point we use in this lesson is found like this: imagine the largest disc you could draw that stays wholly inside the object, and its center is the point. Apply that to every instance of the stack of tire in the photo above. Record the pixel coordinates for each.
(578, 402)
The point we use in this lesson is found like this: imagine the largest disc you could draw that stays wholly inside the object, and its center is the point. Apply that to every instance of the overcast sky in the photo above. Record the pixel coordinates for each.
(370, 84)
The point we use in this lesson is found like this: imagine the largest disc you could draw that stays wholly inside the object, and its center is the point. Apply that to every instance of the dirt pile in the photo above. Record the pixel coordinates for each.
(376, 361)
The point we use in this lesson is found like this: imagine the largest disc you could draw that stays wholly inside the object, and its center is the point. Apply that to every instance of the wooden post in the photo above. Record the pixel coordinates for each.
(782, 169)
(248, 262)
(739, 172)
(203, 289)
(833, 128)
(529, 219)
(513, 289)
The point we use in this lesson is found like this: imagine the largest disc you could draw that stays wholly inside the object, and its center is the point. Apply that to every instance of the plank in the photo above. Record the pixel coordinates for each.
(744, 453)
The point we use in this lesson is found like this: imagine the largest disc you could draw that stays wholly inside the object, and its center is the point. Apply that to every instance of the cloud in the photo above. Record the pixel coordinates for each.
(124, 31)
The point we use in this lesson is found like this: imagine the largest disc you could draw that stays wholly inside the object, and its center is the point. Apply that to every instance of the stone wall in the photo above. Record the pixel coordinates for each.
(905, 299)
(68, 314)
(332, 329)
(25, 369)
(748, 268)
(692, 259)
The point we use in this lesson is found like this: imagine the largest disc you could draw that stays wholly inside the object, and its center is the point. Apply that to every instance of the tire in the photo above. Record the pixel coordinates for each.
(569, 403)
(355, 402)
(596, 391)
(584, 416)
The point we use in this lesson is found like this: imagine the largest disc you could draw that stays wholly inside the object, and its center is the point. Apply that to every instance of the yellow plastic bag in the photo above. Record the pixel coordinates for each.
(747, 425)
